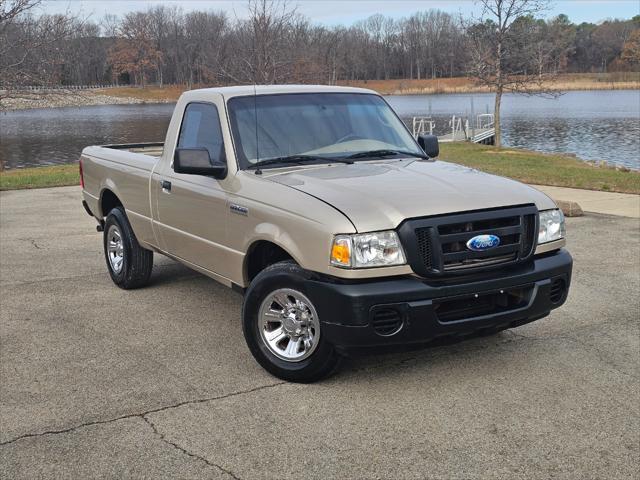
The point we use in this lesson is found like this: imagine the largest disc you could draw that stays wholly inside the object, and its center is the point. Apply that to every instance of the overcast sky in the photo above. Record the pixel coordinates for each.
(345, 12)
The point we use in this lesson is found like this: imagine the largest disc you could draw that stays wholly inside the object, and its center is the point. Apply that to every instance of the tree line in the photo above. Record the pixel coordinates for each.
(275, 44)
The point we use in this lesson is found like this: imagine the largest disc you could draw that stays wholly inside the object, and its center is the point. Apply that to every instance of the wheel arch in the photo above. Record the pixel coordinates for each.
(108, 201)
(262, 253)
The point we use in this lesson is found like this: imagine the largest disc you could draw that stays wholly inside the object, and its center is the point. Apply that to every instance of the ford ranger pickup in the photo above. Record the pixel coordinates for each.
(339, 227)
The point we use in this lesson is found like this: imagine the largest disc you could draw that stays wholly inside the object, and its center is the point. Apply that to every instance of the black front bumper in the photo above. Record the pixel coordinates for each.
(407, 310)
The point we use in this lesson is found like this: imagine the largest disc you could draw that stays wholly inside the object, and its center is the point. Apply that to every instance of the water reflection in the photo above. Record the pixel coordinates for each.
(58, 135)
(613, 140)
(599, 125)
(595, 125)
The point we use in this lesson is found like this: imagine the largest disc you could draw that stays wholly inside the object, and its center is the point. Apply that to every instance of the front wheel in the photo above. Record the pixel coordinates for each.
(282, 327)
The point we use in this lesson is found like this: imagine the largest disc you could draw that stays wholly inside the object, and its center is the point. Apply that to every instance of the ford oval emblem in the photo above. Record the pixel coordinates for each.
(480, 243)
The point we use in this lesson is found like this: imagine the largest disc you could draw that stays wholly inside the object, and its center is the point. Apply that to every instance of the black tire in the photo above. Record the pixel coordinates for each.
(322, 362)
(137, 262)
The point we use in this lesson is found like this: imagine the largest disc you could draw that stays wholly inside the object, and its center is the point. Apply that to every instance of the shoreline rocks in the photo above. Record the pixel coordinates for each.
(67, 99)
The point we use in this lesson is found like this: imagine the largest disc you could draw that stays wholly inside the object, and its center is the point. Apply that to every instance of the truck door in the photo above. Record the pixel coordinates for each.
(191, 218)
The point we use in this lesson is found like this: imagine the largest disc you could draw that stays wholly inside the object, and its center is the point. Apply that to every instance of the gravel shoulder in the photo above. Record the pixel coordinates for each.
(157, 382)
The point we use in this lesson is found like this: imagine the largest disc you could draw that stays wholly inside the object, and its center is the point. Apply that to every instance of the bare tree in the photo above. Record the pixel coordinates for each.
(109, 25)
(207, 45)
(494, 62)
(508, 49)
(12, 39)
(261, 47)
(29, 46)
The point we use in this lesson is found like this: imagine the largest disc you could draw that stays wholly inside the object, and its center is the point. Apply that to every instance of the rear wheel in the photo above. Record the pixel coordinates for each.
(129, 264)
(282, 327)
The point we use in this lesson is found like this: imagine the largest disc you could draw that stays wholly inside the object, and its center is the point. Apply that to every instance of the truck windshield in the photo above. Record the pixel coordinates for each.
(331, 125)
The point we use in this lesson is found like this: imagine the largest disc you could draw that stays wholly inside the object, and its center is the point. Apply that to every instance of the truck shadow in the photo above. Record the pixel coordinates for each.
(367, 358)
(379, 362)
(167, 271)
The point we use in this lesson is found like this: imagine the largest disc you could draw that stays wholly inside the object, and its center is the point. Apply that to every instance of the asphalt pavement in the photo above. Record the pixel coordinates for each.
(96, 382)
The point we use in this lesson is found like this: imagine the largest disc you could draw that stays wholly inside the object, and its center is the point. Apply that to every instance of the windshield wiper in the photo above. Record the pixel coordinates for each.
(386, 153)
(298, 159)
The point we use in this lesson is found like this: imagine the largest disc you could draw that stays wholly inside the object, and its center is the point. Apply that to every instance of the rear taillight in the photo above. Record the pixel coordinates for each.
(81, 175)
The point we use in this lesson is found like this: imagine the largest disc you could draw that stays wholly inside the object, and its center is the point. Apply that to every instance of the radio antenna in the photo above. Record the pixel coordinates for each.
(255, 112)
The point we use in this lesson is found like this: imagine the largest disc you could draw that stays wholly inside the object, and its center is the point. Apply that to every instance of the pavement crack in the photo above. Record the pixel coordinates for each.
(212, 399)
(519, 335)
(69, 429)
(164, 439)
(140, 414)
(32, 241)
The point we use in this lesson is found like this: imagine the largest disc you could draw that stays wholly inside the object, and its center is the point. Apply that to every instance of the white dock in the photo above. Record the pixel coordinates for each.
(482, 130)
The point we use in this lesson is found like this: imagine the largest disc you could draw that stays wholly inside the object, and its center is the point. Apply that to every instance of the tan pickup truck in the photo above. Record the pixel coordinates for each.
(339, 227)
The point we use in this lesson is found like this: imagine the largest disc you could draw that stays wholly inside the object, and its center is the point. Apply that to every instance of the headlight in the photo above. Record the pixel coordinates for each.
(551, 226)
(378, 249)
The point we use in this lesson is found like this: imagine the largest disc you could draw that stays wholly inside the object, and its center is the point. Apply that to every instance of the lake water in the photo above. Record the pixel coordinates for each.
(595, 125)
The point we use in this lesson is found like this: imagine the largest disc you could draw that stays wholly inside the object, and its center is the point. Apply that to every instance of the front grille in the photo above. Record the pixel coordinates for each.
(438, 245)
(424, 247)
(386, 321)
(489, 303)
(530, 232)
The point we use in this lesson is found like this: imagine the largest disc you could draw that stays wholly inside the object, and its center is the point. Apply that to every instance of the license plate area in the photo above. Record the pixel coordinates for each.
(468, 307)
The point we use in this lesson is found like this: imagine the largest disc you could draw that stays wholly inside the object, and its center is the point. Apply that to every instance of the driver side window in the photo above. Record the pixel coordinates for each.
(201, 129)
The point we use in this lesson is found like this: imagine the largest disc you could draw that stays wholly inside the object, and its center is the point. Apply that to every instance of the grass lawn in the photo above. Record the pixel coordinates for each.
(39, 177)
(539, 168)
(523, 165)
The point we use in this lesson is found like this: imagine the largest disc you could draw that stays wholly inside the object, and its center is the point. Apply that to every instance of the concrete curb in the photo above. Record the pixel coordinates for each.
(593, 201)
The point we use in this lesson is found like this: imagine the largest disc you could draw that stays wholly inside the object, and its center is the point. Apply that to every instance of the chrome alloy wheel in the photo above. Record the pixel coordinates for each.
(289, 325)
(115, 251)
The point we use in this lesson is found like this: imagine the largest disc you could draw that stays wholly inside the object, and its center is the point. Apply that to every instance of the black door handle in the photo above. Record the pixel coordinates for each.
(166, 185)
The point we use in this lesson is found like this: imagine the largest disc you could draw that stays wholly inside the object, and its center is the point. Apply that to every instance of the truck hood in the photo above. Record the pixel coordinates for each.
(380, 195)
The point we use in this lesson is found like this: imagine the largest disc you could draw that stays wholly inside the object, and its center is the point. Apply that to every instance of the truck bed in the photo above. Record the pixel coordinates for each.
(153, 149)
(125, 170)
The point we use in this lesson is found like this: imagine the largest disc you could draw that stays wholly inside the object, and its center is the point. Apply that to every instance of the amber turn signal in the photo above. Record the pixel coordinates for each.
(341, 252)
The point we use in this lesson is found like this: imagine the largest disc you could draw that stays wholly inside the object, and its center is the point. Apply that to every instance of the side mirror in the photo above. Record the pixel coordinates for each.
(196, 161)
(429, 144)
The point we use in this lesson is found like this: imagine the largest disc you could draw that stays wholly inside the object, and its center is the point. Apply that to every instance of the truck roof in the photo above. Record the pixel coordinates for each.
(243, 90)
